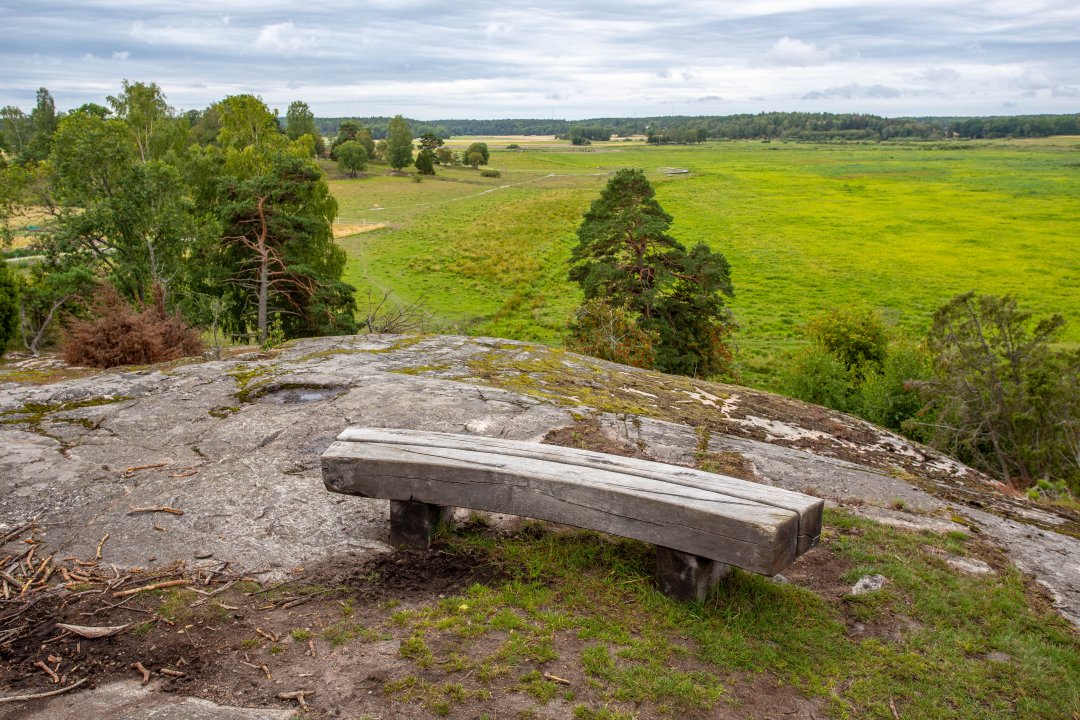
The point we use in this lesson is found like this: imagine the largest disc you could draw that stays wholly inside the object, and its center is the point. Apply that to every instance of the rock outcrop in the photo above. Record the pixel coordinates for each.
(234, 445)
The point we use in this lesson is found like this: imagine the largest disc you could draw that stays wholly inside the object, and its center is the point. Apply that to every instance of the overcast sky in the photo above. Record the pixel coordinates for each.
(561, 58)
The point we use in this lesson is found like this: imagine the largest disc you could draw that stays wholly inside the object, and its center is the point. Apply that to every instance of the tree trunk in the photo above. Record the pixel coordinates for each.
(264, 292)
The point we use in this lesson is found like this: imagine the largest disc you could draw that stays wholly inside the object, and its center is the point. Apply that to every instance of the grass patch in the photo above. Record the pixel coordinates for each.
(803, 226)
(637, 648)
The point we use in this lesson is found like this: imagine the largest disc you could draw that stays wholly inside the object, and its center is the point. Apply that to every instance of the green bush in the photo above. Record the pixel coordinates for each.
(490, 173)
(891, 397)
(817, 376)
(9, 306)
(856, 337)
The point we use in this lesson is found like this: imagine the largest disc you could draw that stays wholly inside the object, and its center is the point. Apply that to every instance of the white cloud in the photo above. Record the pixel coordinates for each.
(792, 51)
(121, 55)
(283, 38)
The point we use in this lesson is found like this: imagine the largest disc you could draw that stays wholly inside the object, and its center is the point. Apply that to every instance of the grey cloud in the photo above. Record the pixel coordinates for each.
(854, 91)
(709, 99)
(514, 58)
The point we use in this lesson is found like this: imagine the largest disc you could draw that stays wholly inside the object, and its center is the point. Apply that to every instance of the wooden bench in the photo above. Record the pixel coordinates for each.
(700, 522)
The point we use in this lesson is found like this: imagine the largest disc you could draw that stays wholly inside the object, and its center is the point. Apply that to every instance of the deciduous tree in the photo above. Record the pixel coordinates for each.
(352, 157)
(399, 143)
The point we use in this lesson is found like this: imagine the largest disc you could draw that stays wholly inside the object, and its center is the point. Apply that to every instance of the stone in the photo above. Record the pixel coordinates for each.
(869, 584)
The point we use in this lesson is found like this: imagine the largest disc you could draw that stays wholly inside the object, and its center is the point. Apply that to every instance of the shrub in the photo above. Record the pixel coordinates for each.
(817, 376)
(611, 333)
(891, 397)
(490, 173)
(9, 305)
(856, 337)
(116, 334)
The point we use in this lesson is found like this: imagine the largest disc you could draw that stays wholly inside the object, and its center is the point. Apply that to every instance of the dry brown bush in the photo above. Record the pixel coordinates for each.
(116, 334)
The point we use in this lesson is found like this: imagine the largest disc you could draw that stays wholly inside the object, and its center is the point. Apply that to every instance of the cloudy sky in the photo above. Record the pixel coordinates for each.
(561, 58)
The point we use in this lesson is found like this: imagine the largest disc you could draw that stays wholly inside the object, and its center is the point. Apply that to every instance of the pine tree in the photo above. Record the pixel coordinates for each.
(625, 257)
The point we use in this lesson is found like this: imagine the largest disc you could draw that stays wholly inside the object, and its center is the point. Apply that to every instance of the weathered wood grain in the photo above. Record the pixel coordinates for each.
(809, 509)
(691, 514)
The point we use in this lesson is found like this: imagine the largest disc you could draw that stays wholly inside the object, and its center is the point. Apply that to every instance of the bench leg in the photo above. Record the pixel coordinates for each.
(413, 524)
(683, 576)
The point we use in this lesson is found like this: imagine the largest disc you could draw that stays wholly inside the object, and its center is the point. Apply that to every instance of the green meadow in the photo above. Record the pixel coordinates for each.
(896, 227)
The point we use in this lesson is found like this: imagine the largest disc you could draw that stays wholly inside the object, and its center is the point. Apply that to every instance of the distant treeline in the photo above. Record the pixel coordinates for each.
(762, 126)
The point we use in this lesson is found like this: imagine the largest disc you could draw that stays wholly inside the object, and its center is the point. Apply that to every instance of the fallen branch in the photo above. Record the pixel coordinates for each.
(97, 555)
(211, 594)
(48, 671)
(269, 636)
(136, 468)
(155, 508)
(557, 679)
(171, 673)
(16, 532)
(145, 588)
(23, 698)
(141, 668)
(297, 695)
(93, 633)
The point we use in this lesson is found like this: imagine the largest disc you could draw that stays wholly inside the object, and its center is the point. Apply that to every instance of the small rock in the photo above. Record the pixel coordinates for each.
(868, 584)
(780, 580)
(971, 566)
(203, 555)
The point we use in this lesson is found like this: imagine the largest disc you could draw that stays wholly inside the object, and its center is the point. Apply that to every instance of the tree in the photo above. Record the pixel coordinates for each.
(482, 149)
(399, 143)
(43, 123)
(245, 122)
(430, 143)
(134, 220)
(625, 256)
(9, 306)
(14, 130)
(300, 121)
(425, 162)
(279, 248)
(352, 157)
(1007, 402)
(147, 115)
(474, 159)
(444, 156)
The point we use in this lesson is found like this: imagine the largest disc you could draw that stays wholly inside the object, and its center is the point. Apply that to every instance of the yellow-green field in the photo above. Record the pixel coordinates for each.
(899, 228)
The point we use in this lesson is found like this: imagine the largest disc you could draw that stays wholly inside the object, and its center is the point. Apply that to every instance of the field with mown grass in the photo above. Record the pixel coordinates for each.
(896, 227)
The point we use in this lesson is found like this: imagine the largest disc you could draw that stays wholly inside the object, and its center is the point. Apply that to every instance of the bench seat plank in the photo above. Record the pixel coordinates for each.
(808, 509)
(692, 514)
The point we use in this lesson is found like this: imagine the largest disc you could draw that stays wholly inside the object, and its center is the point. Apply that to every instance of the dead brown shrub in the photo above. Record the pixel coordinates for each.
(116, 334)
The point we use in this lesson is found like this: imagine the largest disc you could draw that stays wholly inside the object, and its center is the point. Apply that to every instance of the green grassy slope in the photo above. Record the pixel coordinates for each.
(899, 228)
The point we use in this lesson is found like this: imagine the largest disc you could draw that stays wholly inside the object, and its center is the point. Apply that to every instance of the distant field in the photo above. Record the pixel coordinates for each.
(899, 228)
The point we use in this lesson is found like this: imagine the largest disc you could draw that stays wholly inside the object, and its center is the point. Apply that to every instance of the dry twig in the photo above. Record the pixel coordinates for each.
(97, 555)
(141, 668)
(556, 678)
(154, 586)
(297, 695)
(48, 671)
(155, 508)
(23, 698)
